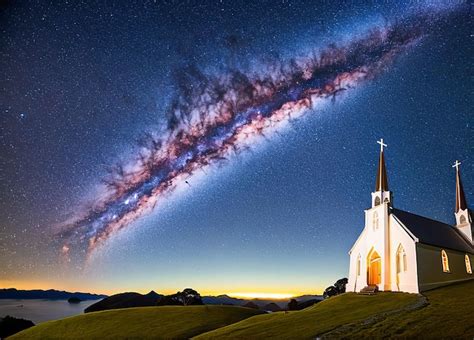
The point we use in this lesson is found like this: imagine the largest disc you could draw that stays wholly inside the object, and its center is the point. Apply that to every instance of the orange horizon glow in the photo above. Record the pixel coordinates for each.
(262, 292)
(255, 295)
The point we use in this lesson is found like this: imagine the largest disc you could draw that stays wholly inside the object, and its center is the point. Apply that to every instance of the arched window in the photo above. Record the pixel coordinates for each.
(462, 219)
(377, 200)
(358, 265)
(375, 221)
(445, 261)
(468, 264)
(401, 259)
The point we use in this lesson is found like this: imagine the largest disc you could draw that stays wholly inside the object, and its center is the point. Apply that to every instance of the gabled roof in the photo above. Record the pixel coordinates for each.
(357, 241)
(433, 232)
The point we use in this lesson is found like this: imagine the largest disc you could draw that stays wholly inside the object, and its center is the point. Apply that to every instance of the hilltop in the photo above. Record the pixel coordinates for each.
(446, 312)
(142, 322)
(125, 300)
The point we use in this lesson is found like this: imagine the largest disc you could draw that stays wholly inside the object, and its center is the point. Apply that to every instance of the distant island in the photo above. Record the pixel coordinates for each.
(74, 299)
(50, 294)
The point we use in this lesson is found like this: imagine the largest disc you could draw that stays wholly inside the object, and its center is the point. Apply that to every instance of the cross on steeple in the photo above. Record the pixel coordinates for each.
(381, 183)
(460, 198)
(382, 145)
(456, 165)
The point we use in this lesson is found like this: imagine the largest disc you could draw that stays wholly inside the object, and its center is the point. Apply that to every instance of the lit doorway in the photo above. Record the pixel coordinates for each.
(374, 271)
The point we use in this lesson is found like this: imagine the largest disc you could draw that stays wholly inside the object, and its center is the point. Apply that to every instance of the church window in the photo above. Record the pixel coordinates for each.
(401, 259)
(468, 264)
(358, 265)
(462, 219)
(377, 200)
(445, 261)
(375, 221)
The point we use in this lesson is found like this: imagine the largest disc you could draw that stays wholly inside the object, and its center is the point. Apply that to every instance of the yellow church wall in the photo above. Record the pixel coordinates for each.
(430, 268)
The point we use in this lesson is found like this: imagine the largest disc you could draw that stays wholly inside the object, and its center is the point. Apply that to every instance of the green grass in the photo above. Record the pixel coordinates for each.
(144, 322)
(315, 320)
(450, 314)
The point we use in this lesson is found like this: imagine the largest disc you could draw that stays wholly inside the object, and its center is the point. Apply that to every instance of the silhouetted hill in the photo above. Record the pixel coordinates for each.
(222, 300)
(250, 304)
(153, 294)
(306, 304)
(50, 294)
(125, 300)
(272, 307)
(282, 303)
(10, 325)
(304, 298)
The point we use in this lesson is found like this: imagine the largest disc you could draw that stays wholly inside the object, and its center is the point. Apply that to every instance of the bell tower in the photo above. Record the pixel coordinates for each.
(461, 212)
(381, 194)
(377, 226)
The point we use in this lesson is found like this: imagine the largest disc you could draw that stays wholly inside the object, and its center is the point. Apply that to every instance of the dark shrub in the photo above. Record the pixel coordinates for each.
(10, 325)
(338, 288)
(341, 285)
(330, 291)
(293, 305)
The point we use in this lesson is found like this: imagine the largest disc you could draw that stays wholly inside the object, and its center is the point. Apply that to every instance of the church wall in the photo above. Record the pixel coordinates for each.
(430, 268)
(404, 276)
(357, 282)
(374, 237)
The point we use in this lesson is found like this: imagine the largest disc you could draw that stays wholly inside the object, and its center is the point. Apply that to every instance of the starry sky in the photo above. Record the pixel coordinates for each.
(81, 82)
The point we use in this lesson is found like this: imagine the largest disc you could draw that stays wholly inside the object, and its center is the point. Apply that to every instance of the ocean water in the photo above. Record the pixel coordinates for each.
(42, 310)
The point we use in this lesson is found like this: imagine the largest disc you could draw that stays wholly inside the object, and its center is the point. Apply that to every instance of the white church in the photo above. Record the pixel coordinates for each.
(401, 251)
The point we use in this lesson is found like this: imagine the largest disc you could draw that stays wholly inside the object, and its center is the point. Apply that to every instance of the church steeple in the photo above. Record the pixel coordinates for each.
(381, 183)
(461, 212)
(381, 194)
(460, 198)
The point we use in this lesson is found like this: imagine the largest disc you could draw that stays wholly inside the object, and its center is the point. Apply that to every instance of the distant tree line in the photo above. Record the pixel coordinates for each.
(187, 297)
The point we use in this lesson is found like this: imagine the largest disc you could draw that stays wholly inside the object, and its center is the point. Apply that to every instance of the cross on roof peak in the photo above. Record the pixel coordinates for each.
(382, 144)
(456, 164)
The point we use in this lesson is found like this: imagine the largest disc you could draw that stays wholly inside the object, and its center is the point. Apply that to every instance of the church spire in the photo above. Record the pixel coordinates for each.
(381, 183)
(460, 198)
(462, 213)
(381, 194)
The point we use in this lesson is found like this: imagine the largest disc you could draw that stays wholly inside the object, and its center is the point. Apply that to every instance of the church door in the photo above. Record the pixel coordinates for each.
(375, 269)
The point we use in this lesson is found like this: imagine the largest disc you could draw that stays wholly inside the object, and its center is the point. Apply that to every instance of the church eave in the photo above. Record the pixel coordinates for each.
(357, 241)
(471, 252)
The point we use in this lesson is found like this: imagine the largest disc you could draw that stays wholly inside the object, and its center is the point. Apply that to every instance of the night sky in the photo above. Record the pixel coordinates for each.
(81, 83)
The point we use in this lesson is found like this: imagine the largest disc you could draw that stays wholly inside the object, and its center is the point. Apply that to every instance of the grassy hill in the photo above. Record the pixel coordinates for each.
(318, 319)
(449, 314)
(142, 322)
(445, 312)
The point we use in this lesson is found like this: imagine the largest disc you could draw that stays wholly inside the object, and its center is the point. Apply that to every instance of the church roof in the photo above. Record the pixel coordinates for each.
(433, 232)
